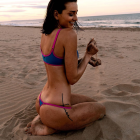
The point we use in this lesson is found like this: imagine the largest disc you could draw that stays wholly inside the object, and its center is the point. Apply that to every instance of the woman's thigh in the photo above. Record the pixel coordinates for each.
(78, 117)
(37, 104)
(75, 99)
(78, 98)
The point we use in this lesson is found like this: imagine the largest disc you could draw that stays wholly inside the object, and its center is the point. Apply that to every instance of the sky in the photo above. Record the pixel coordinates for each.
(36, 9)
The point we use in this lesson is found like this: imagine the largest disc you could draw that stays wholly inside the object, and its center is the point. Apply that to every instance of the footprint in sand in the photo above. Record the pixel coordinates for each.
(111, 92)
(114, 132)
(137, 81)
(119, 56)
(81, 46)
(134, 47)
(122, 90)
(128, 88)
(137, 60)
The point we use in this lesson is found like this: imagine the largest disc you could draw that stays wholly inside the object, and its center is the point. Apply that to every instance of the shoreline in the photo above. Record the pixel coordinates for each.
(88, 28)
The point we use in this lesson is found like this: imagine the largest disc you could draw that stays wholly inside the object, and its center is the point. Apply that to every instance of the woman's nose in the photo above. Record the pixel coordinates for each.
(75, 18)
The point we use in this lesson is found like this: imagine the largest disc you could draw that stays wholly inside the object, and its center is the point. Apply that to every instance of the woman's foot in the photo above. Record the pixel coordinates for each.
(36, 127)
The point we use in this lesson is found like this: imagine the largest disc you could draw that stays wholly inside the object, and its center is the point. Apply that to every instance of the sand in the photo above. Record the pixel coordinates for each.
(116, 83)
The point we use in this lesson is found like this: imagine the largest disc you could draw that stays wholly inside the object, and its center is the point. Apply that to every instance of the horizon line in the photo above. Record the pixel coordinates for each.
(78, 17)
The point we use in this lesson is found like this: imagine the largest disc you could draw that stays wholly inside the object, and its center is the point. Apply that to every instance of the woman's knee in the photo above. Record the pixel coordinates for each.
(98, 110)
(94, 111)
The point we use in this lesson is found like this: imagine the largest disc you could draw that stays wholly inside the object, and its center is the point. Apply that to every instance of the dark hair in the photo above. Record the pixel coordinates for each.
(50, 23)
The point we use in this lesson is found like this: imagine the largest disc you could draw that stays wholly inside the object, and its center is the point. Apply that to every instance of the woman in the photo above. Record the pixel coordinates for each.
(59, 109)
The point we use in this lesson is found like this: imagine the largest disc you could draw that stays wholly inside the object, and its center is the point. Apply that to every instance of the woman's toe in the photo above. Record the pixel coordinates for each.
(29, 130)
(26, 129)
(29, 124)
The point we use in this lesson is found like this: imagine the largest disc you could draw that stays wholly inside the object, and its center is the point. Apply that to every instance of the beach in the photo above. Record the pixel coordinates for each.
(116, 83)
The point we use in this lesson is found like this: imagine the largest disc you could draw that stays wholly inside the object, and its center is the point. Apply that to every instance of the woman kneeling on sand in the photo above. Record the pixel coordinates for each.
(59, 109)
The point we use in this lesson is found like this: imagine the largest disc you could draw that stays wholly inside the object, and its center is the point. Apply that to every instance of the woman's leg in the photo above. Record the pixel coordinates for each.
(36, 127)
(79, 104)
(77, 98)
(79, 116)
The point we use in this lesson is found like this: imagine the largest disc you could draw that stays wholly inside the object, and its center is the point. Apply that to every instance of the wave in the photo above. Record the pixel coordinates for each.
(132, 22)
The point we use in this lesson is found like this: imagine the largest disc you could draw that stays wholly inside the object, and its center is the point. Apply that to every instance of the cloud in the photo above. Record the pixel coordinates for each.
(32, 6)
(10, 2)
(5, 15)
(14, 10)
(2, 6)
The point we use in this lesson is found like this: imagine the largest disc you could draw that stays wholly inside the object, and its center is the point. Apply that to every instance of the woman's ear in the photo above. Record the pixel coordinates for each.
(56, 14)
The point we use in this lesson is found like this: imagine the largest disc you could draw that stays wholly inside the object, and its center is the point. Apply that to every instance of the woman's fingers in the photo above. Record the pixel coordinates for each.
(92, 58)
(91, 47)
(90, 41)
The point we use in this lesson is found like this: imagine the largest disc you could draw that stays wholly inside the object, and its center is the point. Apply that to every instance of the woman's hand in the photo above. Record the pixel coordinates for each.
(92, 47)
(94, 62)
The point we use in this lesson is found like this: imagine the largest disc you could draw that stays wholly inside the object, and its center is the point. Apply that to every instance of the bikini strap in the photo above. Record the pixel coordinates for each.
(56, 38)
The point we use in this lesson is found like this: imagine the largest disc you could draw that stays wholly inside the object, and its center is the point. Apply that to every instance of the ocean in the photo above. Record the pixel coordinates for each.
(123, 20)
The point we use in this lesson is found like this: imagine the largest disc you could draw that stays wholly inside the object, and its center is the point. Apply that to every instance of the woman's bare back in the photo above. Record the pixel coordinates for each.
(57, 83)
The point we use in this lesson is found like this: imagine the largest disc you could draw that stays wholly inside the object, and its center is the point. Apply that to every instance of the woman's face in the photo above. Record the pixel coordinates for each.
(68, 16)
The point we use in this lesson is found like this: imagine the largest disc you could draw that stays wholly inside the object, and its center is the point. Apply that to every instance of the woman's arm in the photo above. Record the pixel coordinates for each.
(73, 70)
(79, 61)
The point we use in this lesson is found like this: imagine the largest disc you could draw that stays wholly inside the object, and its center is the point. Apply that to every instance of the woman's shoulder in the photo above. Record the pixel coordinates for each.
(68, 33)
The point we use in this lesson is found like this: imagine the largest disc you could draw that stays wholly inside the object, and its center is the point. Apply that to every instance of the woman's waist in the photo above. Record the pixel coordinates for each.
(56, 98)
(57, 86)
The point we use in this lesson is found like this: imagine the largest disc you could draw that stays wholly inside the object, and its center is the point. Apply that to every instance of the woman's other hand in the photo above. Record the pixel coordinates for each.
(92, 47)
(94, 62)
